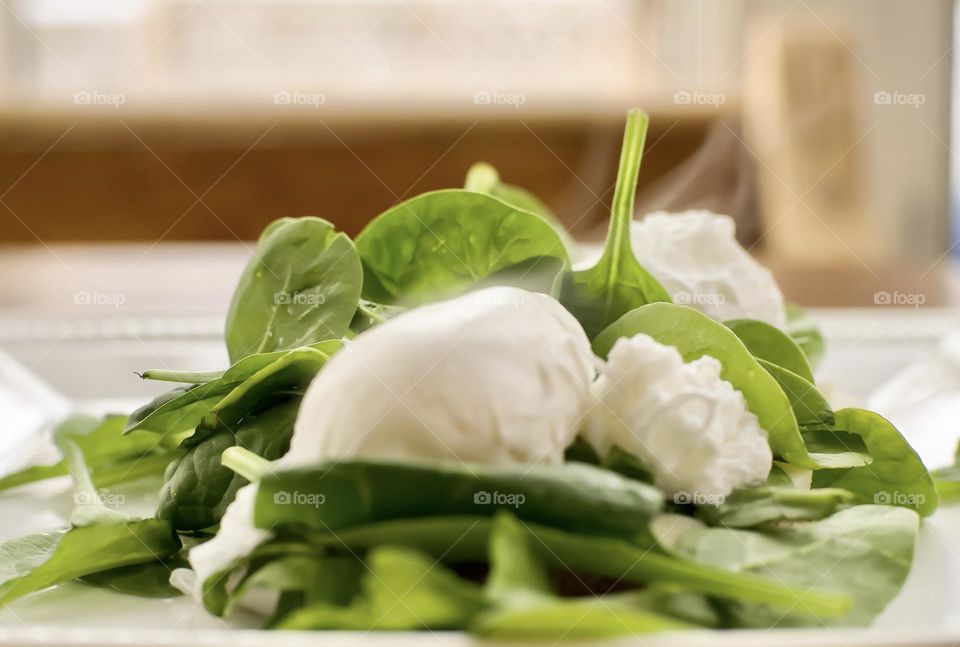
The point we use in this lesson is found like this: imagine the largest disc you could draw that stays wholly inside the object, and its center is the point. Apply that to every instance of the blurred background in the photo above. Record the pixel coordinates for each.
(145, 143)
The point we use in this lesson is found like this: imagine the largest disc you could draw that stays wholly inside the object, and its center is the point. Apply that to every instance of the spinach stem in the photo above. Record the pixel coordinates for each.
(184, 377)
(481, 178)
(245, 463)
(634, 137)
(370, 312)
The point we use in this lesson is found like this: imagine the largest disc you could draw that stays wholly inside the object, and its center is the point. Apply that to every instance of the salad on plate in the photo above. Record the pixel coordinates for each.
(448, 424)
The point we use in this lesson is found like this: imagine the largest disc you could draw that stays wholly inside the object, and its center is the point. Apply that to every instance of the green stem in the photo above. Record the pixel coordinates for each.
(371, 313)
(184, 377)
(245, 463)
(82, 483)
(481, 178)
(621, 214)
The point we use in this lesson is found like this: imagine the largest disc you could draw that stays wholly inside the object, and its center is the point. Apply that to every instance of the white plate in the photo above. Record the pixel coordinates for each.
(865, 350)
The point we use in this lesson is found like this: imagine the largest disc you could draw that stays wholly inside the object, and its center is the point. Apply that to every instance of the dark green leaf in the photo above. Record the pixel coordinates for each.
(771, 344)
(198, 488)
(896, 476)
(441, 243)
(341, 494)
(302, 286)
(36, 562)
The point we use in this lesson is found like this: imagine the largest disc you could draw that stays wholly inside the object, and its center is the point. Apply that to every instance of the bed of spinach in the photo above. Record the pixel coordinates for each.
(373, 545)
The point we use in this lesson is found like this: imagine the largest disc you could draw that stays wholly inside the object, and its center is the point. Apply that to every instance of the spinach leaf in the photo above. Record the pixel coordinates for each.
(290, 374)
(764, 505)
(771, 344)
(301, 287)
(864, 552)
(404, 589)
(35, 562)
(526, 608)
(896, 476)
(183, 409)
(805, 332)
(465, 538)
(341, 494)
(111, 456)
(149, 580)
(484, 178)
(302, 581)
(198, 488)
(440, 243)
(695, 334)
(810, 408)
(617, 283)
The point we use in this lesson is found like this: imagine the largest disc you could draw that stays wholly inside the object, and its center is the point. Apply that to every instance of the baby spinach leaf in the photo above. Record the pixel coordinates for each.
(805, 332)
(864, 552)
(38, 561)
(198, 488)
(694, 334)
(341, 494)
(484, 178)
(404, 589)
(525, 607)
(302, 581)
(896, 476)
(302, 286)
(465, 538)
(111, 456)
(441, 243)
(183, 409)
(617, 283)
(149, 580)
(810, 408)
(771, 344)
(290, 374)
(770, 504)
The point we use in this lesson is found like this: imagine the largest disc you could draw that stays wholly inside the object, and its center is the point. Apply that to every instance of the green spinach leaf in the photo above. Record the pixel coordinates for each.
(403, 589)
(302, 286)
(35, 562)
(111, 456)
(341, 494)
(466, 538)
(441, 243)
(617, 283)
(771, 344)
(198, 488)
(149, 580)
(864, 552)
(896, 476)
(947, 479)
